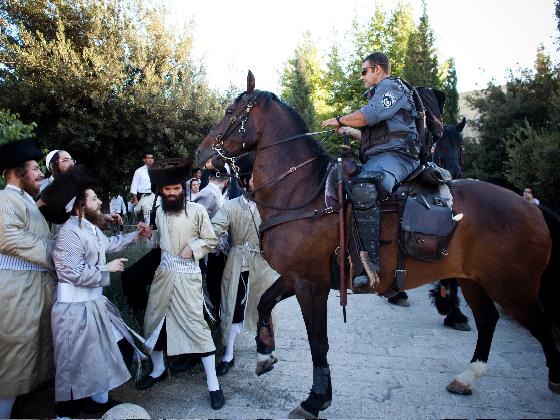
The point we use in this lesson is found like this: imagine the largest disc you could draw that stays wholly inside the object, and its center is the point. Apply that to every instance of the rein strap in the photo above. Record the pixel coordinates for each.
(285, 174)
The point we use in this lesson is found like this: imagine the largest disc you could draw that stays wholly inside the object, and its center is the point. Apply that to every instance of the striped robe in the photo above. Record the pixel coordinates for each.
(87, 357)
(26, 294)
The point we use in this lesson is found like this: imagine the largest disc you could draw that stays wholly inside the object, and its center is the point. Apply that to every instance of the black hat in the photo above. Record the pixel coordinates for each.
(169, 171)
(62, 190)
(16, 152)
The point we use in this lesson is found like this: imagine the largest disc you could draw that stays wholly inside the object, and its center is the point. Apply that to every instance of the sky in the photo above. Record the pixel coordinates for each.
(485, 37)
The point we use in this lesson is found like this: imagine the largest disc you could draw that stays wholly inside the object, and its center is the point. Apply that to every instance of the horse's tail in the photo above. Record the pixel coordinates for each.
(550, 280)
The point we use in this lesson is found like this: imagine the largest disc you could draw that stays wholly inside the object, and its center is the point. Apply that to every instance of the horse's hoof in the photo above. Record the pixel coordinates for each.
(300, 413)
(460, 326)
(457, 387)
(400, 302)
(265, 365)
(554, 387)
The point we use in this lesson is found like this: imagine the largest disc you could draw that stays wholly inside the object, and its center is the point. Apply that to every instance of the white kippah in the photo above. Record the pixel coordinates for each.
(49, 157)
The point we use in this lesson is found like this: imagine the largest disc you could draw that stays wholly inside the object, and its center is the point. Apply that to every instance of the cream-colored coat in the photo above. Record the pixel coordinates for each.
(243, 223)
(26, 297)
(175, 296)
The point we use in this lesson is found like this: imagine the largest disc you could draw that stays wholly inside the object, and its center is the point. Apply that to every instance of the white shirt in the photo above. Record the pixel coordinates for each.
(141, 181)
(22, 192)
(117, 205)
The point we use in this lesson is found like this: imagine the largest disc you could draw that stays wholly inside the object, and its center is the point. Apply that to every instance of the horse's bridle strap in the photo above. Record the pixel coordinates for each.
(284, 174)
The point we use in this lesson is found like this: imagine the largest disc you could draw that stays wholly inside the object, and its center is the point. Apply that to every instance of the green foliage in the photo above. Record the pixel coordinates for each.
(421, 63)
(105, 80)
(448, 77)
(533, 161)
(531, 96)
(11, 128)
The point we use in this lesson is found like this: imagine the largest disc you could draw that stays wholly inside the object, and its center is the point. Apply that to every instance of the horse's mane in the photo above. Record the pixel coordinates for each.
(297, 119)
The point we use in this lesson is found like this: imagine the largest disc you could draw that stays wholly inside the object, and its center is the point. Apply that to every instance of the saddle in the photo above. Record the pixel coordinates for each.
(424, 205)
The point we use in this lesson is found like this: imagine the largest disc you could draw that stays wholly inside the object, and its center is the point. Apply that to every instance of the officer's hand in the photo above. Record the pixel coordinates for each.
(330, 122)
(116, 265)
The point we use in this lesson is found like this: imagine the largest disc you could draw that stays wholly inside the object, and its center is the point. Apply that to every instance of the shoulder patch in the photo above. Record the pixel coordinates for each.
(388, 99)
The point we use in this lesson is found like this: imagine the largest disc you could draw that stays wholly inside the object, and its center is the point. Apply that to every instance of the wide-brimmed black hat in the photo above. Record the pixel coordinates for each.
(62, 190)
(16, 152)
(169, 171)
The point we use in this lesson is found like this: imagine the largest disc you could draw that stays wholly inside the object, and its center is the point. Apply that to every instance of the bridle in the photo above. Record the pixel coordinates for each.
(240, 121)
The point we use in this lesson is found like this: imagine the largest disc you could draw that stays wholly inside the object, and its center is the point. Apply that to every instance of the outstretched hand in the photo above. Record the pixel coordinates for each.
(116, 265)
(144, 230)
(186, 253)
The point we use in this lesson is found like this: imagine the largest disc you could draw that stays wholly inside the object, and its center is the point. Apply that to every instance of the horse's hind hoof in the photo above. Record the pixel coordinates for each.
(554, 387)
(301, 413)
(457, 387)
(265, 363)
(459, 326)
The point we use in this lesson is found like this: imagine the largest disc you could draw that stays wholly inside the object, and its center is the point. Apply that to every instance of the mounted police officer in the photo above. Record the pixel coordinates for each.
(389, 148)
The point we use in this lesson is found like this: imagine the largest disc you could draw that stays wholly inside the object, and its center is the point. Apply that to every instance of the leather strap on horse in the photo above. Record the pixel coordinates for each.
(400, 271)
(275, 221)
(284, 174)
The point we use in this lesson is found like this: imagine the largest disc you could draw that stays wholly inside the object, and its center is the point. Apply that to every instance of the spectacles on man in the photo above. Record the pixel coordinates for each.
(66, 160)
(365, 69)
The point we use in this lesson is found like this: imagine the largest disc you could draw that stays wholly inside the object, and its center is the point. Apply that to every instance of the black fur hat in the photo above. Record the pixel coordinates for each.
(169, 171)
(64, 188)
(16, 152)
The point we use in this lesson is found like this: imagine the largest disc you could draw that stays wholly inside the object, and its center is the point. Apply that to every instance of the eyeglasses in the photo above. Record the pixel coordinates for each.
(66, 160)
(365, 69)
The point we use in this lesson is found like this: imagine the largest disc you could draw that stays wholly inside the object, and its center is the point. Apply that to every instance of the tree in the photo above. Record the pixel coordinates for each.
(533, 157)
(11, 128)
(106, 80)
(448, 80)
(527, 96)
(421, 63)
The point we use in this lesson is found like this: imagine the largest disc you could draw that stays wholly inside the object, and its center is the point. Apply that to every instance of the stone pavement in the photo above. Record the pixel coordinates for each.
(387, 361)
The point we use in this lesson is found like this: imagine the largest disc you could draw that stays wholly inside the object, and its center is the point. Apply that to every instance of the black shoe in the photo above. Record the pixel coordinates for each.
(223, 367)
(183, 363)
(68, 409)
(148, 381)
(217, 399)
(91, 407)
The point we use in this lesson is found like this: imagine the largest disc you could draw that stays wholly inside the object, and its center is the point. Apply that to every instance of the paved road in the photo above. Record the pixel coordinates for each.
(386, 362)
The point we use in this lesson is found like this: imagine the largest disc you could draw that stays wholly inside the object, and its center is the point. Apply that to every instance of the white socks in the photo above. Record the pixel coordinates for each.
(6, 405)
(209, 363)
(101, 398)
(234, 330)
(157, 362)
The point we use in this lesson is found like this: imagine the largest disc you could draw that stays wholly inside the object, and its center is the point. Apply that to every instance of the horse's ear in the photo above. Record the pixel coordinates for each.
(459, 127)
(250, 82)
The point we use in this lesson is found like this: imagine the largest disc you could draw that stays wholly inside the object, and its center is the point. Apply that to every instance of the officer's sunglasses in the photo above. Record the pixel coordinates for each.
(365, 69)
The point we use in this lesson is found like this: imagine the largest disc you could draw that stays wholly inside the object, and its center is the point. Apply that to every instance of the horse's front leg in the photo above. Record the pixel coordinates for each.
(281, 289)
(312, 298)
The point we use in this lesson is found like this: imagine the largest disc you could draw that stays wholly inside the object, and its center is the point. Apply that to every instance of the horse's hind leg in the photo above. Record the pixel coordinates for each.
(312, 299)
(455, 318)
(281, 289)
(485, 316)
(539, 324)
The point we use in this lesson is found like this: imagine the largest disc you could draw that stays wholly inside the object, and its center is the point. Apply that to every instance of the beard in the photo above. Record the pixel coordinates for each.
(31, 186)
(173, 204)
(95, 217)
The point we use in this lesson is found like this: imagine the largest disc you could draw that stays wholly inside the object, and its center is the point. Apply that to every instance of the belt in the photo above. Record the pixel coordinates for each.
(176, 264)
(9, 262)
(68, 293)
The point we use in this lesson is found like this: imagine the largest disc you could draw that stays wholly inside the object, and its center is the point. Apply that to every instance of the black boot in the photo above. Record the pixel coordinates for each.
(368, 217)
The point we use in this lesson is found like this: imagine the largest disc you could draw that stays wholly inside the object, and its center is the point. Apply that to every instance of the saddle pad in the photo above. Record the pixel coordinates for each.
(417, 217)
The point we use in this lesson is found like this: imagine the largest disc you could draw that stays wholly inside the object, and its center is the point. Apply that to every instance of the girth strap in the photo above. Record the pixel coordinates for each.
(275, 221)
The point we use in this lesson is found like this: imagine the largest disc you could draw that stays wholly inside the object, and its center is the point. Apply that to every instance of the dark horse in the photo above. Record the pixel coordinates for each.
(499, 252)
(448, 154)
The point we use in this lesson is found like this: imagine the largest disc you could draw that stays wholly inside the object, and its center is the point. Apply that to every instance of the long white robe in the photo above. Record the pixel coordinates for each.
(26, 295)
(176, 293)
(243, 222)
(85, 333)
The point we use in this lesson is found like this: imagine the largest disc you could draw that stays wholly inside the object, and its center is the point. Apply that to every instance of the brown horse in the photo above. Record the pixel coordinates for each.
(499, 252)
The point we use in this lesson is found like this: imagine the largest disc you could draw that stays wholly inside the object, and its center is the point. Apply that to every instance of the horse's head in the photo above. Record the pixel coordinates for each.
(449, 149)
(237, 132)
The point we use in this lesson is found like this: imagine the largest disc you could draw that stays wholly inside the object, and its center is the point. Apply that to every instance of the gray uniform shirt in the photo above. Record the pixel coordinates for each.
(390, 101)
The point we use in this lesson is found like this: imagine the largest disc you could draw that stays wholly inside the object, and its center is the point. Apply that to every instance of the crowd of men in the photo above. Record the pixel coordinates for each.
(205, 269)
